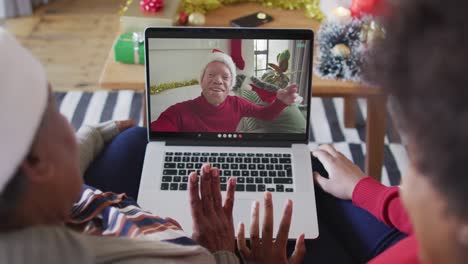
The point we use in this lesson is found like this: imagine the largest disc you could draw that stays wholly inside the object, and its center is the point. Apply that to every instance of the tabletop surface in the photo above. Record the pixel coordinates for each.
(116, 75)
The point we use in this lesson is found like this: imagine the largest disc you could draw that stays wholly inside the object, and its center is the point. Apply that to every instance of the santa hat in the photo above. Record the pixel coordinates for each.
(23, 100)
(217, 55)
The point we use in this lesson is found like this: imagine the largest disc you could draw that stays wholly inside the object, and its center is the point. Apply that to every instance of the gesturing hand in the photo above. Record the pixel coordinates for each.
(287, 95)
(267, 250)
(343, 174)
(124, 124)
(213, 226)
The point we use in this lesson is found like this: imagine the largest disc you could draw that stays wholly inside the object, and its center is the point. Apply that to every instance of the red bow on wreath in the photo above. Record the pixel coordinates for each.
(151, 5)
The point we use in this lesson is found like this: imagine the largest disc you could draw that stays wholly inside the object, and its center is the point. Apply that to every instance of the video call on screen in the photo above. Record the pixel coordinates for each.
(192, 87)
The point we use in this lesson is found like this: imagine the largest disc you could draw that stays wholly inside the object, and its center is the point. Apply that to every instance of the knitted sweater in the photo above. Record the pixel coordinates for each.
(59, 244)
(198, 115)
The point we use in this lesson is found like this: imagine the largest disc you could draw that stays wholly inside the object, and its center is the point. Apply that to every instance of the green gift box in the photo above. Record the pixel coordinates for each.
(129, 48)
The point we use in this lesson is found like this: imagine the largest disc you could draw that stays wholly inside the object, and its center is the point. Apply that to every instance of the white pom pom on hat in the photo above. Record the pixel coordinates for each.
(217, 55)
(23, 100)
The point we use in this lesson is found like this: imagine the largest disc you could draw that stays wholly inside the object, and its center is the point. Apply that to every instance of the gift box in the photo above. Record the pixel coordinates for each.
(133, 19)
(129, 48)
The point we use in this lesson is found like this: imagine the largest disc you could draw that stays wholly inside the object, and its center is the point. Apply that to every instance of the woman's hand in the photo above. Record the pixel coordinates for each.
(343, 174)
(122, 125)
(266, 249)
(213, 226)
(287, 95)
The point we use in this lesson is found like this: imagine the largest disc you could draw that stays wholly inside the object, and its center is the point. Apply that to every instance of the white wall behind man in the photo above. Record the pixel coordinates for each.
(176, 60)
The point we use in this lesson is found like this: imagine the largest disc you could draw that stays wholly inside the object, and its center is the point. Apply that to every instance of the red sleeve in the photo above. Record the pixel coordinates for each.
(383, 202)
(166, 122)
(268, 113)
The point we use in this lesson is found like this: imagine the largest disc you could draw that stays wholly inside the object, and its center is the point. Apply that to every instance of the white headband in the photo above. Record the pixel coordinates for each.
(23, 99)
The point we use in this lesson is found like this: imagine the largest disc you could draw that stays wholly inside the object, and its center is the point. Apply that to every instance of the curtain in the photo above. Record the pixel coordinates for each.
(14, 8)
(300, 59)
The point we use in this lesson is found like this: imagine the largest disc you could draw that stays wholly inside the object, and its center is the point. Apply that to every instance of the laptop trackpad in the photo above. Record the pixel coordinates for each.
(243, 211)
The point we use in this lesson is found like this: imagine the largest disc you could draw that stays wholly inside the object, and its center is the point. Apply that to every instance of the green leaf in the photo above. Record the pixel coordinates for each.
(284, 65)
(275, 67)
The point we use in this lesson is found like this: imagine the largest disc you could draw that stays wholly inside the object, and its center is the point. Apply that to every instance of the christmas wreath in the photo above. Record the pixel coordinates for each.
(341, 51)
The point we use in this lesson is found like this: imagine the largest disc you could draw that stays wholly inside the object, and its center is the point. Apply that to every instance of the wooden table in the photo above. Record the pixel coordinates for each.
(125, 76)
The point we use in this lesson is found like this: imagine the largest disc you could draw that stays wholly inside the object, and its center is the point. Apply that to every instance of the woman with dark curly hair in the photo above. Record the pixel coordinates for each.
(422, 65)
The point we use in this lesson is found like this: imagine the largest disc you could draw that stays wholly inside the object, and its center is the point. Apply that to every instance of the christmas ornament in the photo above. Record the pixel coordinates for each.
(151, 6)
(196, 19)
(181, 19)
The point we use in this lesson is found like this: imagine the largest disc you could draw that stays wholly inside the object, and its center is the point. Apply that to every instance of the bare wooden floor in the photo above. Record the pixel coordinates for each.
(72, 38)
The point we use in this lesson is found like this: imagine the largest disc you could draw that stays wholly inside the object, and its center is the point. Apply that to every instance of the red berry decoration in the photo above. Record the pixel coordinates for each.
(151, 5)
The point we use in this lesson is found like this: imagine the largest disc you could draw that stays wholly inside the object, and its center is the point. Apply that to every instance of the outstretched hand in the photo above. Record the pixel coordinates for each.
(266, 249)
(123, 125)
(213, 226)
(343, 174)
(287, 95)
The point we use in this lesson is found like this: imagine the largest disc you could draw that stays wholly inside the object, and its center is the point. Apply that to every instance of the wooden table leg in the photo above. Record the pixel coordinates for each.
(375, 133)
(350, 104)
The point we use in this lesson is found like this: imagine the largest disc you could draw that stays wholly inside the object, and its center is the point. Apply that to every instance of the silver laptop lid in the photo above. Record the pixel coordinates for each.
(219, 86)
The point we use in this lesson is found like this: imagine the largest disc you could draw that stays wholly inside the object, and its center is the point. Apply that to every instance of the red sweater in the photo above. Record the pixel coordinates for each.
(198, 115)
(385, 204)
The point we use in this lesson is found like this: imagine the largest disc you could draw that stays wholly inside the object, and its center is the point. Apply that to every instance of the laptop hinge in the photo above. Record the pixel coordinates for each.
(272, 144)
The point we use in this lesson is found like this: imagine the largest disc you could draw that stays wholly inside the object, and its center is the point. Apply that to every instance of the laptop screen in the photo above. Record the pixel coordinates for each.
(236, 85)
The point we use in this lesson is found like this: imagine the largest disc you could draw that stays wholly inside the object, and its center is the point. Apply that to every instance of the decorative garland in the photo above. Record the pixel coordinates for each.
(155, 89)
(124, 7)
(202, 6)
(311, 7)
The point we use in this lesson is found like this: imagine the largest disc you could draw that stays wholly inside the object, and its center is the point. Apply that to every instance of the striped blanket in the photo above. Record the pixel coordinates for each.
(116, 215)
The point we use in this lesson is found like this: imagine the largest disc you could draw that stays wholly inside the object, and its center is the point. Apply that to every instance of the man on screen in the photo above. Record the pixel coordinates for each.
(215, 110)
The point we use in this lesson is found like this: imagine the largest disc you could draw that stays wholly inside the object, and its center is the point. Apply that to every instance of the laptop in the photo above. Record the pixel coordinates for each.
(187, 127)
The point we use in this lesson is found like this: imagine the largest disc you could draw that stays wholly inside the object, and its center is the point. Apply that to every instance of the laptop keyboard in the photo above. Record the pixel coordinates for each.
(255, 172)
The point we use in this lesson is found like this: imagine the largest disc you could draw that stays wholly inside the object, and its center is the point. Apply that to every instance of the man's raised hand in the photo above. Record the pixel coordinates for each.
(287, 95)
